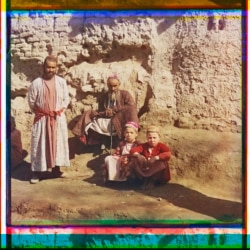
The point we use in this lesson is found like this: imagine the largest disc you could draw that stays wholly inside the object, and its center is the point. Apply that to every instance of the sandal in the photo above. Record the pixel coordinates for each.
(35, 178)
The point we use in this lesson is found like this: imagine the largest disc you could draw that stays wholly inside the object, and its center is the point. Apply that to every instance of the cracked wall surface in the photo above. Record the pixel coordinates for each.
(183, 68)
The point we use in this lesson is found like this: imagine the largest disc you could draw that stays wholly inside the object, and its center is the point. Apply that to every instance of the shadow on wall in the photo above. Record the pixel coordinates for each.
(113, 49)
(30, 67)
(163, 26)
(145, 108)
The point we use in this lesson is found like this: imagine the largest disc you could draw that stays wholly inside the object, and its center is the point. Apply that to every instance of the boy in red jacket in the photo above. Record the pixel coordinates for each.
(150, 161)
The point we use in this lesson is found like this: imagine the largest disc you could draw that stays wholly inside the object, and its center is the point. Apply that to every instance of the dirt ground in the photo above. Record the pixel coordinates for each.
(81, 197)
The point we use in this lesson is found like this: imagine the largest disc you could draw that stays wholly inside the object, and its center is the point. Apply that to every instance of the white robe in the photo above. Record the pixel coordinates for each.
(113, 164)
(38, 137)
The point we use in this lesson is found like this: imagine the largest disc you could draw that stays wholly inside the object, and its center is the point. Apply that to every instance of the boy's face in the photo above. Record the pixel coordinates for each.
(130, 135)
(153, 138)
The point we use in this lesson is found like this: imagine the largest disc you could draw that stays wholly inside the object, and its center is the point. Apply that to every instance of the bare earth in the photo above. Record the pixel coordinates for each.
(81, 198)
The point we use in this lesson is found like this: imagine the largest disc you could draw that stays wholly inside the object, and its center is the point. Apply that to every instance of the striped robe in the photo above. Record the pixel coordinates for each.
(38, 138)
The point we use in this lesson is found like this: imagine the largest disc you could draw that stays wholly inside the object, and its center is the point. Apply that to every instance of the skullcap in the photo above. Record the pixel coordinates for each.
(132, 124)
(113, 76)
(153, 129)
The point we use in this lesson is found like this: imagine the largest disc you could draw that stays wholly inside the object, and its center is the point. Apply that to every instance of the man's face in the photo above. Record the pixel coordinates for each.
(50, 69)
(113, 85)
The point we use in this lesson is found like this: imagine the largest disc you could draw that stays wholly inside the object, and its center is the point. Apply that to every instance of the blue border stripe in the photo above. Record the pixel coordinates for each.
(127, 241)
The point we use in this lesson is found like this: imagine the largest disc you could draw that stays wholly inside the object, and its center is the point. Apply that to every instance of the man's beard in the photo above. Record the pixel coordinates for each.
(112, 96)
(48, 75)
(112, 99)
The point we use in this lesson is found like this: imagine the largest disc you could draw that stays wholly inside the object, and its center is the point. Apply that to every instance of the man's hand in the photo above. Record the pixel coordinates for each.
(93, 114)
(109, 112)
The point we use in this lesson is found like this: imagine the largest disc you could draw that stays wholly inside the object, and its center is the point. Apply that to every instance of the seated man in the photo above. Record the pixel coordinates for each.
(115, 108)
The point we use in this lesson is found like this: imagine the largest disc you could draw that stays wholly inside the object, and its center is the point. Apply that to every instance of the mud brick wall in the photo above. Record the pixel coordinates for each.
(183, 68)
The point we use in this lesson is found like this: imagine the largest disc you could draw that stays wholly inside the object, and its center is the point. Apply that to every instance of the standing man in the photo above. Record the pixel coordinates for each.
(48, 99)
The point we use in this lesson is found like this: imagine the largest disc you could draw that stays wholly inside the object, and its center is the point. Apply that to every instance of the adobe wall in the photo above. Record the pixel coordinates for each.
(184, 68)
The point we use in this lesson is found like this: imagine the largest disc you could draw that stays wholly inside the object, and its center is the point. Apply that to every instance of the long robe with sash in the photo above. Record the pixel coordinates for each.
(49, 140)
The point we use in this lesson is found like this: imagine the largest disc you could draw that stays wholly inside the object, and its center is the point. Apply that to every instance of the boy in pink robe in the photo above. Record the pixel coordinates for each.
(116, 166)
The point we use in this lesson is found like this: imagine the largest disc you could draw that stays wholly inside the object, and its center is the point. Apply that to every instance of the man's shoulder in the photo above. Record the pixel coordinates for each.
(37, 80)
(59, 77)
(60, 80)
(40, 79)
(124, 92)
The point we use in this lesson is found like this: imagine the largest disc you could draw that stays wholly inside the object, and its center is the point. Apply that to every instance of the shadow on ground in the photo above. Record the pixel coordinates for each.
(225, 211)
(179, 195)
(23, 173)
